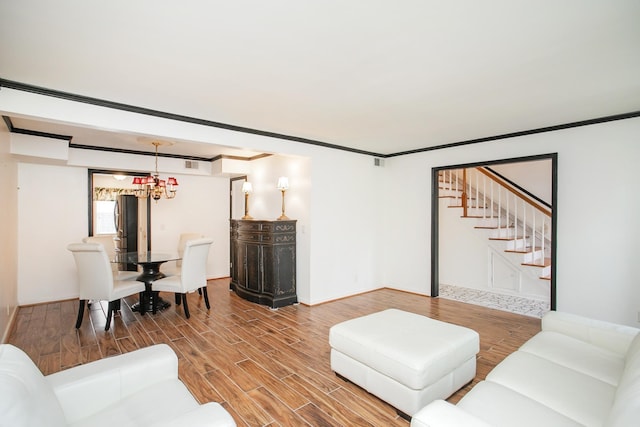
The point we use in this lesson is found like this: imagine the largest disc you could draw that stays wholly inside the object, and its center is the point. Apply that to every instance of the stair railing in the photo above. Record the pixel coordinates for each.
(517, 216)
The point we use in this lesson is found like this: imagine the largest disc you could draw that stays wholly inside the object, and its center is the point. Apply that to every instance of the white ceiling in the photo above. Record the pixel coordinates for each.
(379, 76)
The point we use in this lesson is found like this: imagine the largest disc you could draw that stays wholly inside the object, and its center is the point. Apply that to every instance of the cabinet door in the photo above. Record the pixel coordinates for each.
(237, 262)
(270, 274)
(240, 264)
(280, 270)
(253, 267)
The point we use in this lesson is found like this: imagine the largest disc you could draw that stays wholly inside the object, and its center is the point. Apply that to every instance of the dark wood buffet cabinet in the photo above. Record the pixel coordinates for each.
(263, 261)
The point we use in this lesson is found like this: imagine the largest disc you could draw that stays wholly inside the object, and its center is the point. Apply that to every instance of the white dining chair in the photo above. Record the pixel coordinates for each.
(110, 247)
(193, 274)
(173, 269)
(96, 281)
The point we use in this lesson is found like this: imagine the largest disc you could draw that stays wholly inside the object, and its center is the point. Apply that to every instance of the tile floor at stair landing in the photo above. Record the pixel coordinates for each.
(515, 304)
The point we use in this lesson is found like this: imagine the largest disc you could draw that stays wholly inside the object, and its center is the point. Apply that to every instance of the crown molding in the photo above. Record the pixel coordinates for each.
(146, 111)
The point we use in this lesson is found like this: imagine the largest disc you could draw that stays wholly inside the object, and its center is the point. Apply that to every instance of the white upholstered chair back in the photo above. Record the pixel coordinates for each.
(95, 277)
(109, 247)
(194, 264)
(184, 238)
(107, 241)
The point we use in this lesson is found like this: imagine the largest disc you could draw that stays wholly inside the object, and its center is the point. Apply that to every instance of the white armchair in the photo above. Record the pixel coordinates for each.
(140, 388)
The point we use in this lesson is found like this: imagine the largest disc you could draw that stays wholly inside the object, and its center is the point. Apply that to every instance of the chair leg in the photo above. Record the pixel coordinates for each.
(142, 303)
(110, 311)
(83, 302)
(154, 301)
(178, 298)
(206, 296)
(186, 307)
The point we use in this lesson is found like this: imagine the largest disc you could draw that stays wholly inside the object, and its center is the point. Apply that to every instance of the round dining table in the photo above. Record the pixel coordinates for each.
(150, 263)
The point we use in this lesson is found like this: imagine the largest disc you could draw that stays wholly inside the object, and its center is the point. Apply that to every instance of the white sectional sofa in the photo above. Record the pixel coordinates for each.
(140, 388)
(575, 372)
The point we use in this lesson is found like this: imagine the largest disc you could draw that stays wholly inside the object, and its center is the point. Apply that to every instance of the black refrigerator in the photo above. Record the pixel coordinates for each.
(126, 220)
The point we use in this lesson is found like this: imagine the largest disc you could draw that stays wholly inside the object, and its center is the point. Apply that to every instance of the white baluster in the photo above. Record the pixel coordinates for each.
(477, 189)
(543, 236)
(484, 197)
(533, 227)
(515, 220)
(499, 208)
(524, 224)
(458, 201)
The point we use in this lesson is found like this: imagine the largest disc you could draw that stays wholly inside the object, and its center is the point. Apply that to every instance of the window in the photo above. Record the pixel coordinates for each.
(105, 223)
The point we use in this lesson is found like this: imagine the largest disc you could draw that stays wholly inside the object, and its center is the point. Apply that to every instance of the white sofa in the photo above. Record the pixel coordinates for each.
(140, 388)
(575, 372)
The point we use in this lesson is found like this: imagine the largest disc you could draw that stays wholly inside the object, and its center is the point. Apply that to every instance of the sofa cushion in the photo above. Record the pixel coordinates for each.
(500, 406)
(611, 336)
(26, 399)
(583, 398)
(626, 406)
(169, 399)
(578, 355)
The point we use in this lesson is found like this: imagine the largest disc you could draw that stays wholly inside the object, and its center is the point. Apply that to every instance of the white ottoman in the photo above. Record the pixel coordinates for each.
(405, 359)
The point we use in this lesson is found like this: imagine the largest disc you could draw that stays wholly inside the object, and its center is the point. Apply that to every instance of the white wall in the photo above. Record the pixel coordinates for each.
(346, 225)
(9, 233)
(597, 243)
(52, 212)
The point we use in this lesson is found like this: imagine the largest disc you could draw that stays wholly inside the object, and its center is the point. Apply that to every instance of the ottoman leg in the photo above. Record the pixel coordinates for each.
(343, 378)
(403, 415)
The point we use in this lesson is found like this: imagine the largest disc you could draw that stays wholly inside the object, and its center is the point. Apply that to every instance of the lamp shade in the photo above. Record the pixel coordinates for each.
(283, 183)
(172, 181)
(137, 180)
(247, 187)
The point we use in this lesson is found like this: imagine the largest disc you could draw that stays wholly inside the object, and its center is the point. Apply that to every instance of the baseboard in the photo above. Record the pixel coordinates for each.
(12, 319)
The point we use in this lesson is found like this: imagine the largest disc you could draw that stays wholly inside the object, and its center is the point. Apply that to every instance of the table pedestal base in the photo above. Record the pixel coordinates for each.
(150, 272)
(162, 304)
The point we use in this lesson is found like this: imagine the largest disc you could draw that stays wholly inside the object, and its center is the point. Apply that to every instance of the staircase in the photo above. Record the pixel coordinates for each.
(515, 222)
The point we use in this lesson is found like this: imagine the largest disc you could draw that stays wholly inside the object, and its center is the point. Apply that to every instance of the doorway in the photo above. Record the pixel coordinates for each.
(438, 232)
(236, 201)
(104, 188)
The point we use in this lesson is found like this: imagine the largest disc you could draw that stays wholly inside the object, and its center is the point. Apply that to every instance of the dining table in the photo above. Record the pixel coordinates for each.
(150, 263)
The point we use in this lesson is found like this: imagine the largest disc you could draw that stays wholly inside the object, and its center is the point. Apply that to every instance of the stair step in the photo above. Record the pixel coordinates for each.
(520, 245)
(539, 263)
(523, 251)
(508, 233)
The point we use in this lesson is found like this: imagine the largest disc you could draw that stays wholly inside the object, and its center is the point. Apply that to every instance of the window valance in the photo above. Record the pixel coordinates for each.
(109, 194)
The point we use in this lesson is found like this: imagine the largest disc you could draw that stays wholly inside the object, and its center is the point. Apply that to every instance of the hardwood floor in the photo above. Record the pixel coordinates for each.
(266, 367)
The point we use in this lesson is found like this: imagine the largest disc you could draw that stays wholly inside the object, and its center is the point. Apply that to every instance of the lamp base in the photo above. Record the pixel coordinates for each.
(247, 217)
(283, 217)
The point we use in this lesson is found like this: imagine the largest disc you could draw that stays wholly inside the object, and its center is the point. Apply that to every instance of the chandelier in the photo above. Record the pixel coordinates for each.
(154, 187)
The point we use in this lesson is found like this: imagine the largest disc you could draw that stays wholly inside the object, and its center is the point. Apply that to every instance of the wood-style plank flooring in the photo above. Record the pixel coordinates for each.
(266, 367)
